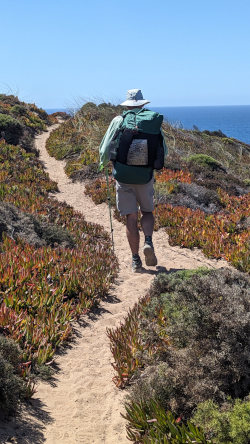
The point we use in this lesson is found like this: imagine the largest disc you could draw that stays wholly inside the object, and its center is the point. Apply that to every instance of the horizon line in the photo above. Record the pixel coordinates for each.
(154, 106)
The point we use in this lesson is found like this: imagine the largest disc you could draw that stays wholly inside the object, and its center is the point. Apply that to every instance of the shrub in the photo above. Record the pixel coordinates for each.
(41, 113)
(204, 160)
(218, 133)
(229, 423)
(185, 343)
(12, 387)
(80, 172)
(9, 99)
(53, 234)
(30, 118)
(190, 336)
(10, 129)
(189, 195)
(61, 115)
(34, 230)
(207, 317)
(19, 110)
(214, 178)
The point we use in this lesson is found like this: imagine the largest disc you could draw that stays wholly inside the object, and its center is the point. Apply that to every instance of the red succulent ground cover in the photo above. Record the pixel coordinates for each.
(42, 290)
(181, 176)
(224, 234)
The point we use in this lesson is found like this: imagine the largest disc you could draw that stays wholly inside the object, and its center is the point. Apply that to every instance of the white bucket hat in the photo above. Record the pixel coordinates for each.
(134, 98)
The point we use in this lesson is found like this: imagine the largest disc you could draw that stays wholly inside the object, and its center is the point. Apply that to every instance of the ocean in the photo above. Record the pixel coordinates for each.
(234, 121)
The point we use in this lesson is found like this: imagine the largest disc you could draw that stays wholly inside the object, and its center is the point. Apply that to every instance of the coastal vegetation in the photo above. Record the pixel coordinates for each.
(77, 140)
(195, 216)
(182, 351)
(202, 194)
(54, 266)
(20, 121)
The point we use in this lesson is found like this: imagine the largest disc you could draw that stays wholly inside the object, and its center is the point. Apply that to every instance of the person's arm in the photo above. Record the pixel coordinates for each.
(104, 147)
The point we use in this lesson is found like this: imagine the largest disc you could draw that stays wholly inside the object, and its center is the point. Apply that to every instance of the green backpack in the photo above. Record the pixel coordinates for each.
(144, 121)
(132, 174)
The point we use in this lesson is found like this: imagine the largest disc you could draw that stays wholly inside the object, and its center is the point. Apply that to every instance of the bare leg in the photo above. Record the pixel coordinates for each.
(147, 223)
(133, 232)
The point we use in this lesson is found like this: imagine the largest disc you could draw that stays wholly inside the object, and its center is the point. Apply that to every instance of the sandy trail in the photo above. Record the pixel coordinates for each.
(84, 405)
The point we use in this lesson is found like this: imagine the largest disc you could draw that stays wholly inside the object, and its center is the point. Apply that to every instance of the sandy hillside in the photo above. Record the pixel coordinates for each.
(83, 405)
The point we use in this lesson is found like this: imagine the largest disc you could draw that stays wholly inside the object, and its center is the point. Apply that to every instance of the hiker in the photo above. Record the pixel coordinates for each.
(135, 144)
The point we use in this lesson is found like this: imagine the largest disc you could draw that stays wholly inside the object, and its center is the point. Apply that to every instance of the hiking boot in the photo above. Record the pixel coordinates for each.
(136, 264)
(148, 250)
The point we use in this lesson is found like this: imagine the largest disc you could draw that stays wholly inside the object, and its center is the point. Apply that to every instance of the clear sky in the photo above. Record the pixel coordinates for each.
(58, 53)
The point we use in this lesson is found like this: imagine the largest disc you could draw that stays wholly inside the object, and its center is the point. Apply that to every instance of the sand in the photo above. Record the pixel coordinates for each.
(83, 405)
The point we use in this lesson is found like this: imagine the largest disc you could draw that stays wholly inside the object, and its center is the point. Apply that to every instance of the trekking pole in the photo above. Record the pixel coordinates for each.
(156, 203)
(110, 212)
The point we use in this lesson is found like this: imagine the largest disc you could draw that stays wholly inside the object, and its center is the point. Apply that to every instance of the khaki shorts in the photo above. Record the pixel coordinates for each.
(129, 197)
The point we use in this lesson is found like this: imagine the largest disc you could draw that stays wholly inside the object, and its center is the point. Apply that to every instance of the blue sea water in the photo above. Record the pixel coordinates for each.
(56, 110)
(234, 121)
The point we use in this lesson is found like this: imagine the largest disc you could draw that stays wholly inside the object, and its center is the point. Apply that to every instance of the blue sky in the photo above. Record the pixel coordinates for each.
(58, 53)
